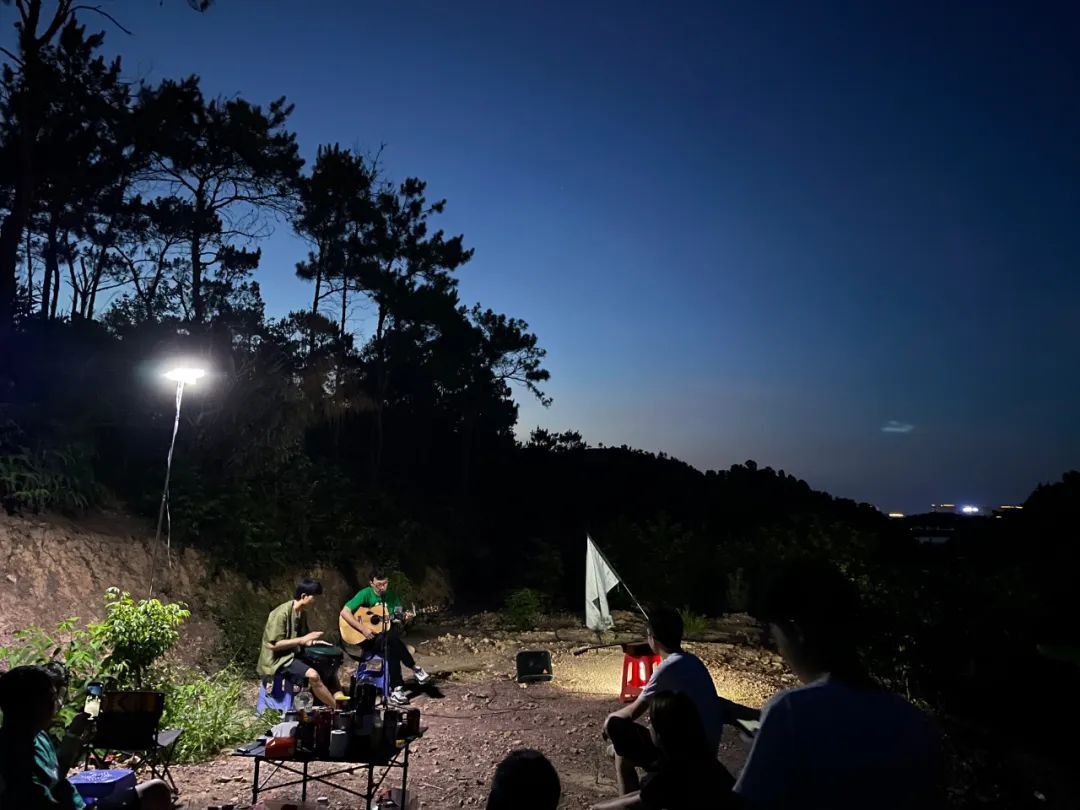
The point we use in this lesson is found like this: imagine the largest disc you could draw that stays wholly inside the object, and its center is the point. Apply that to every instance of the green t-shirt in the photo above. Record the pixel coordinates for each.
(282, 623)
(30, 776)
(368, 598)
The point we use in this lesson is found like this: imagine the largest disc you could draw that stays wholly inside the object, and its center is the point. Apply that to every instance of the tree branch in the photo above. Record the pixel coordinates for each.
(103, 13)
(63, 11)
(12, 56)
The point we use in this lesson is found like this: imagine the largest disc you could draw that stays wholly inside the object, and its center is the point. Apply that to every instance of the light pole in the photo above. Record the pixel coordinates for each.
(181, 375)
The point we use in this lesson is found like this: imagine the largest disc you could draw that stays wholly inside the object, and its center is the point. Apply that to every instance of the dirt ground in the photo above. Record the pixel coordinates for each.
(476, 713)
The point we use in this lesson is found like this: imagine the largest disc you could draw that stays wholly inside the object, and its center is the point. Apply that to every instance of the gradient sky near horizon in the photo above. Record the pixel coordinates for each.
(842, 239)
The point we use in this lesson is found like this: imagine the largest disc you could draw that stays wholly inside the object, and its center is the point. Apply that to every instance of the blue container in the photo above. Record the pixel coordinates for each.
(97, 784)
(279, 696)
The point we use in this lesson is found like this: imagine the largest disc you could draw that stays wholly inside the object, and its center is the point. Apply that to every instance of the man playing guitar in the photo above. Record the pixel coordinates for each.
(379, 596)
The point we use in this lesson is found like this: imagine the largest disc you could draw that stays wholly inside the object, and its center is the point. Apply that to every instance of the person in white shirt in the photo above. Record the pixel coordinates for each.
(838, 741)
(680, 671)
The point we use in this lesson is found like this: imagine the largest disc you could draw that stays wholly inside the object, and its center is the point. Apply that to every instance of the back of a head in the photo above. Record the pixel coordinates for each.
(816, 600)
(678, 726)
(308, 587)
(525, 780)
(23, 693)
(666, 626)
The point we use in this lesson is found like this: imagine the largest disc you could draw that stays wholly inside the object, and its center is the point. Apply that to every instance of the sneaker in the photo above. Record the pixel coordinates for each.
(421, 675)
(399, 697)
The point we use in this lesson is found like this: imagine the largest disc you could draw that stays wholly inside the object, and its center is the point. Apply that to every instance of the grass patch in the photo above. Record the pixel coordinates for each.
(215, 712)
(694, 624)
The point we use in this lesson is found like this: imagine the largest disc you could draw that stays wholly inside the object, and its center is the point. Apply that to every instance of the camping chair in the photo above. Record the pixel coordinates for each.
(128, 723)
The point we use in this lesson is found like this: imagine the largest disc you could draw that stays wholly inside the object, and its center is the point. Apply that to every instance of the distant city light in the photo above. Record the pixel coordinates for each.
(1010, 506)
(896, 514)
(969, 510)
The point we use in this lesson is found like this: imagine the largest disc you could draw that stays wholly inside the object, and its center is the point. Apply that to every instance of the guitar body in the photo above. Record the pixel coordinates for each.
(373, 619)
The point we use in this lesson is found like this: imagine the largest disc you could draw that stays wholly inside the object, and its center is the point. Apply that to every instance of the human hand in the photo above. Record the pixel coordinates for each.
(311, 638)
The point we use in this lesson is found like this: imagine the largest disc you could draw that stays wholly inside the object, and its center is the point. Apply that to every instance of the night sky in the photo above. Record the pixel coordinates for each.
(842, 239)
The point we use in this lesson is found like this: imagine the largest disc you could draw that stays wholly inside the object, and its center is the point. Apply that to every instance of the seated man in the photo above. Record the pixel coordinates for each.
(680, 671)
(32, 771)
(838, 741)
(687, 774)
(524, 780)
(388, 644)
(286, 634)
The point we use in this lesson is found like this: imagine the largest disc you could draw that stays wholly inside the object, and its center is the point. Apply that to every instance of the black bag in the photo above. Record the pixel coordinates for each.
(533, 665)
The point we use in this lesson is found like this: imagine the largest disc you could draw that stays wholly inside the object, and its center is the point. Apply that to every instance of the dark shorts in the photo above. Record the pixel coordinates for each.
(296, 672)
(633, 742)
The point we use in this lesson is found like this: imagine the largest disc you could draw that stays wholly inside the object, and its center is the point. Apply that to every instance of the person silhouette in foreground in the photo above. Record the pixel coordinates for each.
(687, 773)
(32, 771)
(680, 671)
(837, 741)
(525, 780)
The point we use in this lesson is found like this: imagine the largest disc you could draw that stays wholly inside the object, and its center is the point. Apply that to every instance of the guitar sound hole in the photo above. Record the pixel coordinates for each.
(376, 619)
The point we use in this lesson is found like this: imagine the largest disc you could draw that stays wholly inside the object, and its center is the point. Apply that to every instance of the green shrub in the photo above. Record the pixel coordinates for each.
(216, 712)
(118, 650)
(523, 608)
(78, 649)
(694, 624)
(136, 634)
(39, 478)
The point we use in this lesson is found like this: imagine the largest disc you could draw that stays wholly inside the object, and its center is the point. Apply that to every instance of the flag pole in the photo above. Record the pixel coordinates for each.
(621, 581)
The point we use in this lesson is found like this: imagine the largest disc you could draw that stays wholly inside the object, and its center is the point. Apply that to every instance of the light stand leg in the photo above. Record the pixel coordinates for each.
(165, 491)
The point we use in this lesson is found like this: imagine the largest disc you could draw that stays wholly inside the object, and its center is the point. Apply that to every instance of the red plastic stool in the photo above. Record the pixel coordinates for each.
(638, 665)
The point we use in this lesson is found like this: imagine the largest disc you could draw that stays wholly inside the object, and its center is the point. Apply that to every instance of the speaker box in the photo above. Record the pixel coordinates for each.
(533, 665)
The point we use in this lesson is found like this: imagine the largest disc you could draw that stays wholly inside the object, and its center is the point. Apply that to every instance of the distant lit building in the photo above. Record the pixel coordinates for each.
(967, 509)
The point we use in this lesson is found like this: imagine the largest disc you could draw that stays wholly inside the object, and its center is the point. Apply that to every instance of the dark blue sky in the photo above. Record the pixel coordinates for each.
(741, 230)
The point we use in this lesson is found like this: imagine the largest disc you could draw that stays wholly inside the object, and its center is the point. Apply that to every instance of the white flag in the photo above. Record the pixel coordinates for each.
(599, 579)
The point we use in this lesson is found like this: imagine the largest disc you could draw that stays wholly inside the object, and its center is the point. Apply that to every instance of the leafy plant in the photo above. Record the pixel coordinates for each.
(694, 624)
(523, 608)
(215, 711)
(79, 650)
(136, 633)
(37, 478)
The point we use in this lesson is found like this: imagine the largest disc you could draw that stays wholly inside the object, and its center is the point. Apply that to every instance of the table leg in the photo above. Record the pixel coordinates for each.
(405, 775)
(370, 792)
(303, 785)
(255, 784)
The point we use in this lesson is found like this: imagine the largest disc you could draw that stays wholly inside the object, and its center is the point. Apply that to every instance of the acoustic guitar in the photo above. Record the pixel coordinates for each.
(375, 621)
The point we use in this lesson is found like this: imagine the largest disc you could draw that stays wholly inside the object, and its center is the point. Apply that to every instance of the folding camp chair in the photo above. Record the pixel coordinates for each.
(128, 723)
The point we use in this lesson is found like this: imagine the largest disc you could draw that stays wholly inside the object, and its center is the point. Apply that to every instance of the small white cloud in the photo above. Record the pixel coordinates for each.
(893, 426)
